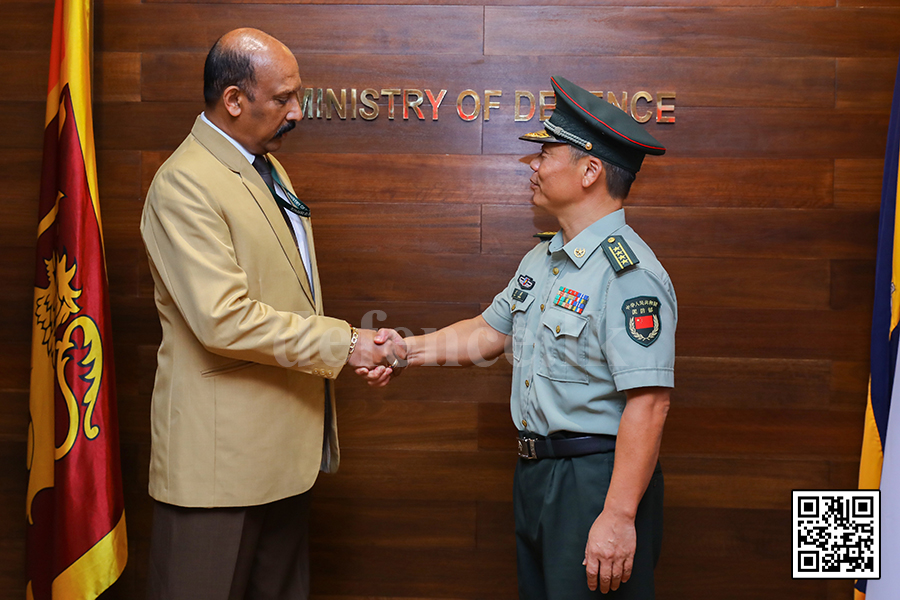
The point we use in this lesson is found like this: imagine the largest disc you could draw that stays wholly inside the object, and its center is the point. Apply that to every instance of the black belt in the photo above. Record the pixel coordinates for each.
(534, 447)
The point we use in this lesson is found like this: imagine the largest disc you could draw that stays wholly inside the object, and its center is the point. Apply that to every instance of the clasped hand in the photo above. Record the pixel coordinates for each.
(378, 356)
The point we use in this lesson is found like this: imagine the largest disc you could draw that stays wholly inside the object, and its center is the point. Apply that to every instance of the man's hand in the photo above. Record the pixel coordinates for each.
(609, 554)
(378, 357)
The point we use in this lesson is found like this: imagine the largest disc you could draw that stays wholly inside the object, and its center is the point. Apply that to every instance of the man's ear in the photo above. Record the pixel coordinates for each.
(231, 98)
(592, 169)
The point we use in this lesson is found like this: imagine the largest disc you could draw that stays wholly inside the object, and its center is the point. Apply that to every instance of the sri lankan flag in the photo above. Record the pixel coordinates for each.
(76, 542)
(879, 466)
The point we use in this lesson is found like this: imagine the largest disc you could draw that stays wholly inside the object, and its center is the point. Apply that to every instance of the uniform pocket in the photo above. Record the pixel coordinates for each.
(564, 343)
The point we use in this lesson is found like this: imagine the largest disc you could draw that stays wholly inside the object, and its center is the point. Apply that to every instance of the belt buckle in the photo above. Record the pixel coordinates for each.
(526, 448)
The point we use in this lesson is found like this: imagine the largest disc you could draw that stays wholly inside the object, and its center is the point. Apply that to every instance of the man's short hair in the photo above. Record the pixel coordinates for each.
(618, 180)
(226, 67)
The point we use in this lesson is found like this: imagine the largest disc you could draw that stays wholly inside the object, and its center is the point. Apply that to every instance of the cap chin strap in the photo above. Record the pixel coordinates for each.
(562, 134)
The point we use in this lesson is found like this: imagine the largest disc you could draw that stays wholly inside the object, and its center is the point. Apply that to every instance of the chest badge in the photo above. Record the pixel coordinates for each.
(571, 300)
(579, 252)
(525, 282)
(642, 321)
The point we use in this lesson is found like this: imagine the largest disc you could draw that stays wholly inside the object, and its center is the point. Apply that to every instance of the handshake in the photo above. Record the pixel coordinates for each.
(378, 356)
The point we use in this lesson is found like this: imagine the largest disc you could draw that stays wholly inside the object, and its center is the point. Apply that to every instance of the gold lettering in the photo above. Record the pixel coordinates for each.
(332, 101)
(611, 98)
(459, 105)
(489, 104)
(598, 94)
(634, 100)
(353, 103)
(518, 110)
(369, 99)
(661, 108)
(414, 104)
(435, 103)
(306, 105)
(390, 93)
(543, 95)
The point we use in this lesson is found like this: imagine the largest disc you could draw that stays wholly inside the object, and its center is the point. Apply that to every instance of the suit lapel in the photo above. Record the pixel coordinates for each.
(299, 267)
(253, 182)
(307, 225)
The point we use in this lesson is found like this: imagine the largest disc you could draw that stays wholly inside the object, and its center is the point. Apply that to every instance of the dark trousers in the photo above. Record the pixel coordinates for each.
(246, 553)
(556, 501)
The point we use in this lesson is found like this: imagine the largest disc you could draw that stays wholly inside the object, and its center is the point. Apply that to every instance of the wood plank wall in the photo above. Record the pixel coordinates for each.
(764, 211)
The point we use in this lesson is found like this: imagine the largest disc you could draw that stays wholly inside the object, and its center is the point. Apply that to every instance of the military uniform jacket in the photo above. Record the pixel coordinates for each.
(589, 320)
(241, 414)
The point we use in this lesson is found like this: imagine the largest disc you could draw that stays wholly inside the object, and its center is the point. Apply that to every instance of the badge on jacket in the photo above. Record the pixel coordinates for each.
(525, 282)
(642, 321)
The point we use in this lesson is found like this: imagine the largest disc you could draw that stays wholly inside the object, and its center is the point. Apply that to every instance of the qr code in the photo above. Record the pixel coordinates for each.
(836, 534)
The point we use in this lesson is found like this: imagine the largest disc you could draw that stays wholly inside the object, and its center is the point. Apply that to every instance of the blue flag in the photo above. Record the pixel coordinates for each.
(879, 466)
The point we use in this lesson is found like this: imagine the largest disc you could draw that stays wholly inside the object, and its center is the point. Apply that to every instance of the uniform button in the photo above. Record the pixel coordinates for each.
(557, 329)
(328, 373)
(556, 270)
(542, 308)
(526, 383)
(524, 423)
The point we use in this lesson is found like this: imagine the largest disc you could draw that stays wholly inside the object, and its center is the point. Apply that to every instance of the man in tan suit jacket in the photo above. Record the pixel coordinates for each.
(243, 407)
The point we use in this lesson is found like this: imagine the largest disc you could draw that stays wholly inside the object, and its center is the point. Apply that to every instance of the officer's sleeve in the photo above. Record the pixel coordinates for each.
(499, 314)
(639, 327)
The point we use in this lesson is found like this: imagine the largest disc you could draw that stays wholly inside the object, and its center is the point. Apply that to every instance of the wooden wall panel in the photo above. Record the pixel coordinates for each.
(22, 124)
(864, 82)
(26, 26)
(744, 133)
(20, 171)
(337, 29)
(764, 210)
(734, 32)
(748, 82)
(752, 382)
(25, 74)
(117, 77)
(135, 126)
(757, 233)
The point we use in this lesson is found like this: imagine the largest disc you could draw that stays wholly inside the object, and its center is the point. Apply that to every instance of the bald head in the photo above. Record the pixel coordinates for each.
(234, 60)
(251, 84)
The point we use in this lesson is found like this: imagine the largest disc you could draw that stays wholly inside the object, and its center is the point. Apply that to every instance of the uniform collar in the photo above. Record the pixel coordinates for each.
(584, 244)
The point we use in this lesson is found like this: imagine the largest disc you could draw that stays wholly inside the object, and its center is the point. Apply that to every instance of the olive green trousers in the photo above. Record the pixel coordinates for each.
(556, 501)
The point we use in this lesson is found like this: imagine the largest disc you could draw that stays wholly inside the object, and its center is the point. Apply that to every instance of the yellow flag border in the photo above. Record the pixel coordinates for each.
(96, 569)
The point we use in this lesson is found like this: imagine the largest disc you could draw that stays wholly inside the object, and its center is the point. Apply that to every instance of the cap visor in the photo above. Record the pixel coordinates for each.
(541, 137)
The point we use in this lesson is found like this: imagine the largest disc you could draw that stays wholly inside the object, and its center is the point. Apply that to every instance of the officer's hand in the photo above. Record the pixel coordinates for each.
(390, 361)
(609, 554)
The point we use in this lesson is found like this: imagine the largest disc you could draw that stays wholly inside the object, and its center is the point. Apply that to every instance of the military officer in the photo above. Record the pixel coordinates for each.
(590, 315)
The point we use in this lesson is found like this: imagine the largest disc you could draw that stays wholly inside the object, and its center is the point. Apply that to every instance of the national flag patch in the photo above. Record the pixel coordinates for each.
(642, 320)
(571, 300)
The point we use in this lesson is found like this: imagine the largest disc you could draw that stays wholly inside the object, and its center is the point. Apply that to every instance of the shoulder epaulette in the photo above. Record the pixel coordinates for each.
(545, 236)
(619, 254)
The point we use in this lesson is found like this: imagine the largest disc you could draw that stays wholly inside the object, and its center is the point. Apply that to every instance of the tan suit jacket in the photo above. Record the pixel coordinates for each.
(241, 413)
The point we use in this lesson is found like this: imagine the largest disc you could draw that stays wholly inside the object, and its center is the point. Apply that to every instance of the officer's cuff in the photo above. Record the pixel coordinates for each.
(647, 377)
(503, 325)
